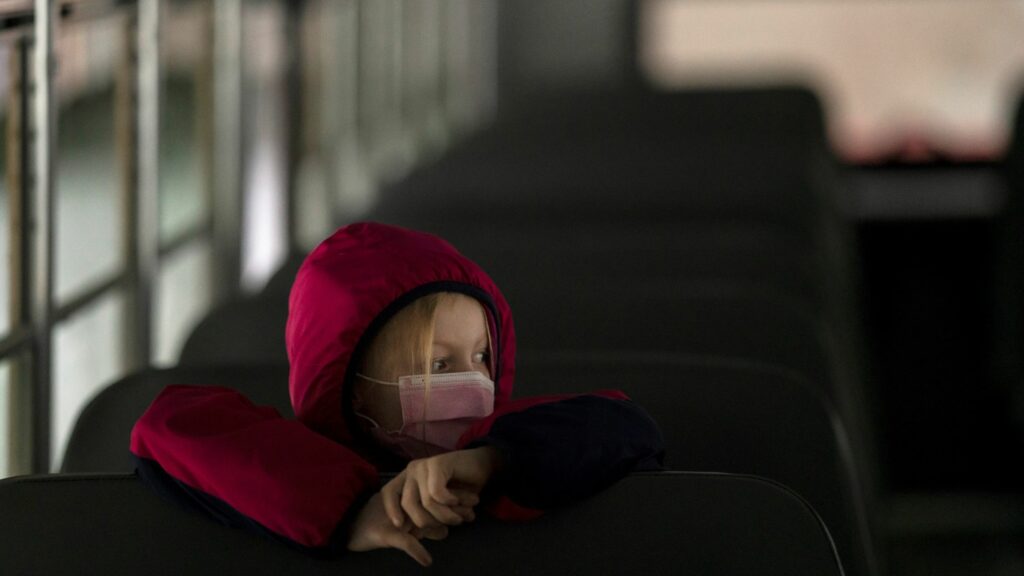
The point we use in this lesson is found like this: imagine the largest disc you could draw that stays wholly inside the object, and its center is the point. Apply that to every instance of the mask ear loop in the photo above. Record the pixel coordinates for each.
(357, 401)
(375, 381)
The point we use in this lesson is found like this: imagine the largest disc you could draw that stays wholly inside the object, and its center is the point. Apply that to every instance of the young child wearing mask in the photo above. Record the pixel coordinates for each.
(401, 355)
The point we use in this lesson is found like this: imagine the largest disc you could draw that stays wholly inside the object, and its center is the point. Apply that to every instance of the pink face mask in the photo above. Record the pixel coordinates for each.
(434, 417)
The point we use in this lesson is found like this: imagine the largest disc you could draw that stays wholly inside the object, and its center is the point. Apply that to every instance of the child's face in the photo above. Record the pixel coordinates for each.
(460, 345)
(460, 337)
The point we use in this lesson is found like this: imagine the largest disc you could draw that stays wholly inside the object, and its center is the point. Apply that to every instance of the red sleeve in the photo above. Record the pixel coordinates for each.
(276, 474)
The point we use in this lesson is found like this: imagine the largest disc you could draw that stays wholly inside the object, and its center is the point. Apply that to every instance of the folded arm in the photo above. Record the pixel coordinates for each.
(565, 450)
(535, 454)
(211, 450)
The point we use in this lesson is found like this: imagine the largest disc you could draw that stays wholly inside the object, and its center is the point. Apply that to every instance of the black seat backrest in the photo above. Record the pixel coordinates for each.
(724, 416)
(100, 438)
(732, 416)
(670, 523)
(242, 331)
(635, 156)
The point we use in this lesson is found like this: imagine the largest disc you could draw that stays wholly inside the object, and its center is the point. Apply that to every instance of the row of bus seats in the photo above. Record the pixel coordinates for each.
(685, 248)
(110, 524)
(697, 402)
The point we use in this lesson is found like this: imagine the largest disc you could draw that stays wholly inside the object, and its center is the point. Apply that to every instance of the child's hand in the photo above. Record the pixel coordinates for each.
(372, 529)
(441, 490)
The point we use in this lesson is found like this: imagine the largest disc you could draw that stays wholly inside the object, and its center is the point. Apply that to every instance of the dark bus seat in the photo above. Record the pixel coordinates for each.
(600, 315)
(624, 315)
(789, 113)
(725, 416)
(696, 154)
(99, 439)
(737, 417)
(667, 523)
(719, 319)
(752, 253)
(762, 257)
(247, 330)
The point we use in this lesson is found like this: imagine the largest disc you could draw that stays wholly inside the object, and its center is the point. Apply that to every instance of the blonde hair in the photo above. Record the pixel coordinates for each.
(403, 344)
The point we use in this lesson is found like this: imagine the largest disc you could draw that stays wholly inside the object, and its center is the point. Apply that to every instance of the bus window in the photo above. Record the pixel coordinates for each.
(89, 176)
(907, 79)
(86, 357)
(177, 311)
(185, 189)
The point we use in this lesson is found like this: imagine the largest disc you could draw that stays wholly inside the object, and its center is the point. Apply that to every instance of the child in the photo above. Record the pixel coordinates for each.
(401, 357)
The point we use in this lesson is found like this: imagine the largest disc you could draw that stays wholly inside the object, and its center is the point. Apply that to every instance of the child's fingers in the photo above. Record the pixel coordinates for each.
(465, 512)
(466, 497)
(391, 494)
(413, 507)
(436, 485)
(410, 545)
(438, 532)
(442, 512)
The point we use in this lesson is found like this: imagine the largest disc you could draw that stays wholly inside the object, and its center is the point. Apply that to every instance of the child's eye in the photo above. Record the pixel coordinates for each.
(481, 357)
(438, 366)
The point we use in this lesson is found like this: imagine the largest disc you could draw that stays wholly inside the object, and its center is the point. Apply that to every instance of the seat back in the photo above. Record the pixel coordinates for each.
(242, 331)
(724, 416)
(669, 523)
(736, 417)
(100, 437)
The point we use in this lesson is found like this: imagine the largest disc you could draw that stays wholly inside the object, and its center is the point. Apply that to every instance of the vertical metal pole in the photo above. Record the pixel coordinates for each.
(295, 125)
(435, 131)
(228, 141)
(415, 17)
(370, 82)
(355, 186)
(380, 49)
(484, 48)
(330, 102)
(401, 151)
(126, 124)
(16, 155)
(456, 64)
(19, 417)
(203, 123)
(145, 227)
(45, 131)
(470, 53)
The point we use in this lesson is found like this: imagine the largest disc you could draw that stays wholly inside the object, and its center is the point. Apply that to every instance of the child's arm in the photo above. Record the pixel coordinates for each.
(210, 449)
(441, 491)
(546, 451)
(562, 449)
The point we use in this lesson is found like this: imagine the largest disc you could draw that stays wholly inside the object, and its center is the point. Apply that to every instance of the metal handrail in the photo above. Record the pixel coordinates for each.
(20, 336)
(202, 229)
(83, 299)
(16, 13)
(223, 142)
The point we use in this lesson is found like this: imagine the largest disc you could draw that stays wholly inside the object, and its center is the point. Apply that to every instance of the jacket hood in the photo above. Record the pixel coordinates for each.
(349, 286)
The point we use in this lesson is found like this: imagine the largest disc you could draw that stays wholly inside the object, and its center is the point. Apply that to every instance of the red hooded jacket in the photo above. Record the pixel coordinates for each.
(211, 449)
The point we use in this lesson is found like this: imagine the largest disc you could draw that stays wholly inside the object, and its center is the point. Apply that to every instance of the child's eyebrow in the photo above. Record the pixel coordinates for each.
(481, 341)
